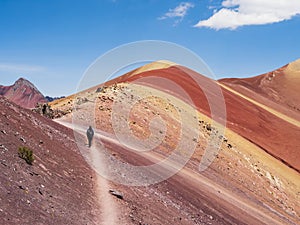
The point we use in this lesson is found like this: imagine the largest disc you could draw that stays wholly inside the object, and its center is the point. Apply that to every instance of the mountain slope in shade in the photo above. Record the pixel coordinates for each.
(278, 89)
(58, 188)
(23, 93)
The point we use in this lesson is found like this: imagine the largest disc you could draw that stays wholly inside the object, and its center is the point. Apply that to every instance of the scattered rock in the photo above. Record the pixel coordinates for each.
(3, 163)
(21, 187)
(81, 100)
(4, 149)
(100, 89)
(208, 127)
(33, 174)
(116, 194)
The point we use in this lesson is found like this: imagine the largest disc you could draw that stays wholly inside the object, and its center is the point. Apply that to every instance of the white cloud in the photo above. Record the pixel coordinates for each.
(179, 12)
(237, 13)
(6, 67)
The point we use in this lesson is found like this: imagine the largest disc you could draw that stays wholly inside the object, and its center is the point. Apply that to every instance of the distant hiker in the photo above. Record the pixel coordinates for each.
(90, 135)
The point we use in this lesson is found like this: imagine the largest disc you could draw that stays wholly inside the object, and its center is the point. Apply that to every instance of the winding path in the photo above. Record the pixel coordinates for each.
(242, 210)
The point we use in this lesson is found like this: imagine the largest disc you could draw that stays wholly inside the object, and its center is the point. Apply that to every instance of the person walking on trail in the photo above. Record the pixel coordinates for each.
(90, 135)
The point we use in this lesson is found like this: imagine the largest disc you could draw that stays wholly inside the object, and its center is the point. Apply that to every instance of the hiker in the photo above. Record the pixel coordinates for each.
(90, 135)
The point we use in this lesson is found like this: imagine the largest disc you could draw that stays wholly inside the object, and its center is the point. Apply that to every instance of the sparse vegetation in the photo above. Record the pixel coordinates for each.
(44, 109)
(26, 154)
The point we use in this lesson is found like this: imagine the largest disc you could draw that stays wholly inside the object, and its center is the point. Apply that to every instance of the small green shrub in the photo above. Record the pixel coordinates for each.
(26, 154)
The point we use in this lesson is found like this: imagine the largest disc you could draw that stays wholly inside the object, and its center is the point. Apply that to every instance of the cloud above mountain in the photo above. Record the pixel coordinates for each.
(178, 12)
(238, 13)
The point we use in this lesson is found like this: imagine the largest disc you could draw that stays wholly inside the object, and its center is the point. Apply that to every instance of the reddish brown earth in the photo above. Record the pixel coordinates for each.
(243, 185)
(247, 183)
(277, 89)
(279, 138)
(59, 188)
(23, 93)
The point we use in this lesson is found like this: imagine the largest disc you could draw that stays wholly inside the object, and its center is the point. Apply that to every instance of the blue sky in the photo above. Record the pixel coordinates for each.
(52, 43)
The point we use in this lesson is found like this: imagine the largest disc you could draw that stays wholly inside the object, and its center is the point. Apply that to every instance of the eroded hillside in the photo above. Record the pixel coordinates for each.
(58, 188)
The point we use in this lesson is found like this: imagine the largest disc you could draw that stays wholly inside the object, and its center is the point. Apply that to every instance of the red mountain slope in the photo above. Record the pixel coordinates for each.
(243, 185)
(23, 93)
(58, 188)
(262, 127)
(278, 89)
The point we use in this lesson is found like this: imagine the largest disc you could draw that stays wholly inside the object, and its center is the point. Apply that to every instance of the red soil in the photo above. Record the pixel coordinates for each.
(58, 188)
(23, 93)
(277, 89)
(276, 136)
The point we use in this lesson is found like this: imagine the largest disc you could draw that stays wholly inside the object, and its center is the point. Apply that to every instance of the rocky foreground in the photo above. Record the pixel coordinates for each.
(58, 188)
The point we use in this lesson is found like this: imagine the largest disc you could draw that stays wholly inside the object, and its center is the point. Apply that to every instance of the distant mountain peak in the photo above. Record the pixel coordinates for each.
(22, 82)
(23, 93)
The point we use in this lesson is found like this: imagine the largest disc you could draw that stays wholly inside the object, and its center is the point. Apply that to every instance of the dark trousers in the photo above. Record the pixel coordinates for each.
(90, 142)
